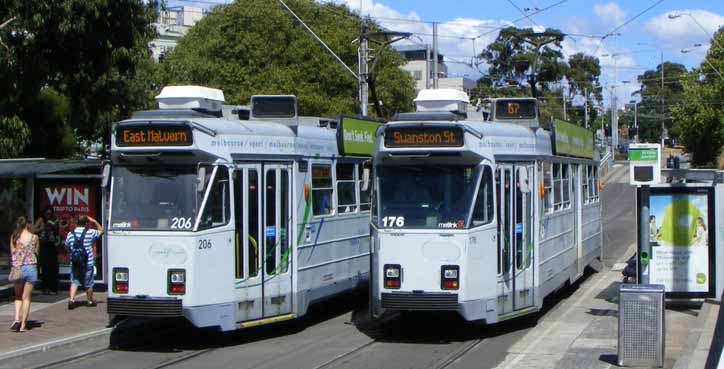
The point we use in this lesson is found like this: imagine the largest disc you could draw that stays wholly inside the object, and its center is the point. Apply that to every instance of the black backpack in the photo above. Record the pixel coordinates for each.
(78, 253)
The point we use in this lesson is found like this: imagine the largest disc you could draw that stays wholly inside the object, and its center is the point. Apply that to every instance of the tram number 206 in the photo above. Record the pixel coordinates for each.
(392, 222)
(204, 244)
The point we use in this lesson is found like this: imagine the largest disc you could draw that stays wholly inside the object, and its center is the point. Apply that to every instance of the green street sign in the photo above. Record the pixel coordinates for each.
(356, 136)
(572, 140)
(643, 154)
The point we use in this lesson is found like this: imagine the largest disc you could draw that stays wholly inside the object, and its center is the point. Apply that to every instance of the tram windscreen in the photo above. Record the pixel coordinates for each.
(154, 198)
(429, 196)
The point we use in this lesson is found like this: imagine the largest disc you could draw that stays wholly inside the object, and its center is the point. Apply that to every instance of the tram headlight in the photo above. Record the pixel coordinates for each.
(449, 277)
(393, 276)
(176, 281)
(120, 280)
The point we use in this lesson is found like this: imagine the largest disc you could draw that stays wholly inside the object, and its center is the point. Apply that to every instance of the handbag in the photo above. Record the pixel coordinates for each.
(15, 274)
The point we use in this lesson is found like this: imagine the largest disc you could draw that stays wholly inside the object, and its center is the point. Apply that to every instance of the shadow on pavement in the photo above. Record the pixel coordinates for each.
(174, 335)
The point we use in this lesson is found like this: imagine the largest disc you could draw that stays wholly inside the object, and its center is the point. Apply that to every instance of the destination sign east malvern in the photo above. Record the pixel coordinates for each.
(154, 136)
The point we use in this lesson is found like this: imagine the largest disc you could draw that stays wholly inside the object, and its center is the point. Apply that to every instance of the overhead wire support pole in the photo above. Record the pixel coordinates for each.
(435, 55)
(319, 39)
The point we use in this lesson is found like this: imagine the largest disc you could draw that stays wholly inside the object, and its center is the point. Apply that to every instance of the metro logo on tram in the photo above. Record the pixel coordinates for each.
(154, 136)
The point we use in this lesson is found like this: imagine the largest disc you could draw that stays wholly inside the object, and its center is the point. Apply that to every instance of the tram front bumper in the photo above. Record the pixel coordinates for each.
(420, 301)
(150, 307)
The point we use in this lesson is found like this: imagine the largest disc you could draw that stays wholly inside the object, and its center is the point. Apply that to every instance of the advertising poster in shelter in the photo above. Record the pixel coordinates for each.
(679, 236)
(68, 199)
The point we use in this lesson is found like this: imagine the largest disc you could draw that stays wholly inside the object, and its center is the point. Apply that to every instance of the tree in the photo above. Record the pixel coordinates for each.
(524, 56)
(77, 60)
(698, 113)
(656, 101)
(234, 48)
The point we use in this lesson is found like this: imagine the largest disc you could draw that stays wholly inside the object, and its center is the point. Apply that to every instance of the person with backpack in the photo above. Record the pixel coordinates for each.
(82, 258)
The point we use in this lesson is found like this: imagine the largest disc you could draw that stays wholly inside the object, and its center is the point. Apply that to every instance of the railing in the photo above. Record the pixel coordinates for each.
(606, 162)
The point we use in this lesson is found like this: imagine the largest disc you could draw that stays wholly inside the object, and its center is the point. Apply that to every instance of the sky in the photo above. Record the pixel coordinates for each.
(637, 31)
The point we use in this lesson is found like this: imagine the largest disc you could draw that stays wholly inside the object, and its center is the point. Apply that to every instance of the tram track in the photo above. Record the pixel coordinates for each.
(458, 354)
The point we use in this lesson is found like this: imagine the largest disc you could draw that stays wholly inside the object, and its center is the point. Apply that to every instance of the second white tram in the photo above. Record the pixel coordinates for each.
(485, 218)
(232, 221)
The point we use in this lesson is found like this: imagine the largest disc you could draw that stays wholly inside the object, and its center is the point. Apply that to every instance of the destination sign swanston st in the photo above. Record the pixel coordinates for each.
(424, 137)
(166, 135)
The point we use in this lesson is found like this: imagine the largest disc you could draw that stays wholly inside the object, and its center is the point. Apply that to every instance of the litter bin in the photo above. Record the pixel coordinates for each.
(641, 335)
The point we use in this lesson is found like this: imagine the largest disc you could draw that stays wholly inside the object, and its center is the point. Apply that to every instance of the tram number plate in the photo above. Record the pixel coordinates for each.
(424, 137)
(392, 222)
(204, 244)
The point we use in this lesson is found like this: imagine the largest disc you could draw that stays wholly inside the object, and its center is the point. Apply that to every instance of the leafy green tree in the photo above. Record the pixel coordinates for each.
(656, 101)
(699, 114)
(516, 52)
(14, 136)
(256, 47)
(76, 58)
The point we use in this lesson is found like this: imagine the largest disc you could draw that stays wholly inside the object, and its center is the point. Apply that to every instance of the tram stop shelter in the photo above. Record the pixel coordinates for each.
(686, 233)
(72, 188)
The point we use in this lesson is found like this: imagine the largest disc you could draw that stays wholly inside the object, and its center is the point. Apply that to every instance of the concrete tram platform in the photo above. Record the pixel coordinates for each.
(51, 324)
(583, 333)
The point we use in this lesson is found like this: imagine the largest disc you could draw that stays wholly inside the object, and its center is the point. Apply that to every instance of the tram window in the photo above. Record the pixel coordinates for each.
(591, 184)
(270, 223)
(595, 184)
(483, 211)
(565, 186)
(557, 194)
(346, 191)
(239, 220)
(253, 222)
(584, 184)
(364, 196)
(548, 187)
(285, 220)
(217, 210)
(322, 189)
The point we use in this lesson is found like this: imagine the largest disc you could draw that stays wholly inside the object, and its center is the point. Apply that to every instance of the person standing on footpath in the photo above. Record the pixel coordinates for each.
(24, 274)
(82, 259)
(47, 230)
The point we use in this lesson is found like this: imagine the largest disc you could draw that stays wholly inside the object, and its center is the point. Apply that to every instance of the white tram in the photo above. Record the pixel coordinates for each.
(481, 217)
(234, 221)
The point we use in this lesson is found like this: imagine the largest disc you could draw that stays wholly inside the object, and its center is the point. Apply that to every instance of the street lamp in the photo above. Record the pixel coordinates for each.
(706, 59)
(713, 40)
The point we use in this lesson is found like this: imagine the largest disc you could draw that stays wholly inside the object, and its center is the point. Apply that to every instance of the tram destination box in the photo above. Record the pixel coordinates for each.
(417, 136)
(154, 135)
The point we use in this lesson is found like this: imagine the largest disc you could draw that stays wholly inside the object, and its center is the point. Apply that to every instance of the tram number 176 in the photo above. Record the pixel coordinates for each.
(392, 222)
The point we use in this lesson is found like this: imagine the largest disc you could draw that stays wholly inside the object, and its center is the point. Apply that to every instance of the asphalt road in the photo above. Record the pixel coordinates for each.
(338, 333)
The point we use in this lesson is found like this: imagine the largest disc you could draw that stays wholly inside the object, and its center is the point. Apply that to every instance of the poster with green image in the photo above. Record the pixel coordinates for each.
(679, 238)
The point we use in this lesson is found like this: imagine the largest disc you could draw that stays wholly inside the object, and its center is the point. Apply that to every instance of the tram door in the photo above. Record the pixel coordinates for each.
(263, 243)
(577, 214)
(515, 252)
(277, 244)
(247, 249)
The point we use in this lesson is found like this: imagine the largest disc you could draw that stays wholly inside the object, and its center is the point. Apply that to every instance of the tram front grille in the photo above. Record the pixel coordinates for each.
(145, 307)
(420, 301)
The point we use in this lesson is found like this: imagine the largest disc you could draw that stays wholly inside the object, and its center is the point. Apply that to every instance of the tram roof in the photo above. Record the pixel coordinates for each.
(502, 139)
(224, 137)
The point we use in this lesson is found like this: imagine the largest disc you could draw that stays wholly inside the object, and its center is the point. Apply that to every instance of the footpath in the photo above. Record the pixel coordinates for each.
(51, 324)
(583, 333)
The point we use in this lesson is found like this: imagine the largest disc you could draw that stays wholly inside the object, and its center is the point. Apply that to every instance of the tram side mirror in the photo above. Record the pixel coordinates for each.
(106, 174)
(200, 179)
(523, 182)
(365, 179)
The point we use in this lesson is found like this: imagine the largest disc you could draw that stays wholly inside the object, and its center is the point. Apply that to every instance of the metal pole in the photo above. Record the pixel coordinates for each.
(435, 55)
(427, 66)
(636, 126)
(644, 245)
(663, 119)
(614, 106)
(585, 108)
(363, 58)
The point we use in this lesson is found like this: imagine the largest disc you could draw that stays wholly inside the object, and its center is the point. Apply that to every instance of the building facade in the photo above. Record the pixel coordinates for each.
(419, 65)
(171, 25)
